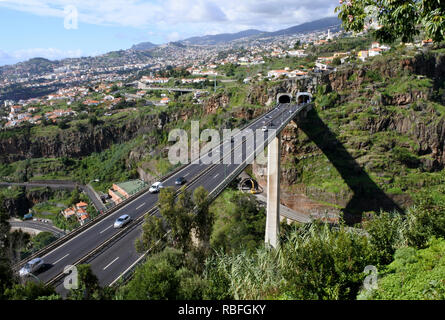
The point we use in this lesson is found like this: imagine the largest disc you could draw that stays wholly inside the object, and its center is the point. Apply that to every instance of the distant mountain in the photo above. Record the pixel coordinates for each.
(325, 23)
(321, 24)
(221, 38)
(144, 46)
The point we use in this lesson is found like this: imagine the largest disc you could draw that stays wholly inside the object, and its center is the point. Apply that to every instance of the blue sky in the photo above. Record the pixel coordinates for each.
(32, 28)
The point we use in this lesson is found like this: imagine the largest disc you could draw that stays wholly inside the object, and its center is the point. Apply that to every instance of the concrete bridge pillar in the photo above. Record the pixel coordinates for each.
(273, 192)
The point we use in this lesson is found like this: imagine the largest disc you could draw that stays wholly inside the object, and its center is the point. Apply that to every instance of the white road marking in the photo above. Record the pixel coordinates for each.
(186, 174)
(140, 206)
(105, 229)
(111, 263)
(216, 175)
(61, 259)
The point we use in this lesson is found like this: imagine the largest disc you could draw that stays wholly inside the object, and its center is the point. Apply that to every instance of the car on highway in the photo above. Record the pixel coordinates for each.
(180, 181)
(156, 187)
(32, 266)
(122, 221)
(264, 128)
(268, 117)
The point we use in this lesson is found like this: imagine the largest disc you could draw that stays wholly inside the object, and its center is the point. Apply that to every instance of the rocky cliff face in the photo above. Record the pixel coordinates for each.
(417, 119)
(19, 205)
(75, 143)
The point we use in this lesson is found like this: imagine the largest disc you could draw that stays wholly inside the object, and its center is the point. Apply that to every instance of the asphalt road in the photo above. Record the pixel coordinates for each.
(37, 225)
(113, 261)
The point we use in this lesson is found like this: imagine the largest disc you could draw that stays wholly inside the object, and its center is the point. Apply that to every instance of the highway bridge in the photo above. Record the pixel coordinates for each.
(111, 252)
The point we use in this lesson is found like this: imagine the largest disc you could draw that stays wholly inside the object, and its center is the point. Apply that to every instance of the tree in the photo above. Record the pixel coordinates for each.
(164, 276)
(413, 275)
(153, 231)
(42, 240)
(336, 61)
(322, 263)
(75, 196)
(6, 275)
(182, 214)
(239, 223)
(30, 291)
(203, 222)
(93, 120)
(385, 235)
(18, 241)
(395, 19)
(63, 124)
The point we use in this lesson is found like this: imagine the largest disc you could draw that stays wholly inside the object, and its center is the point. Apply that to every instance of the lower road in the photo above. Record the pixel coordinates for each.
(37, 226)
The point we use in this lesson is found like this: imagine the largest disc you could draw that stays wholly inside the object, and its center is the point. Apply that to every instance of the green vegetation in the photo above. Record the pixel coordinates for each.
(415, 274)
(398, 20)
(239, 222)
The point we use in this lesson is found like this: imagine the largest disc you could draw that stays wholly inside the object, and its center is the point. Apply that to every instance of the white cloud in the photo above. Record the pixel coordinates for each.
(47, 53)
(195, 17)
(174, 36)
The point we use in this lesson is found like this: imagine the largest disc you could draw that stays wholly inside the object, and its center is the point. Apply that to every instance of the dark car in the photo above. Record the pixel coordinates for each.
(180, 181)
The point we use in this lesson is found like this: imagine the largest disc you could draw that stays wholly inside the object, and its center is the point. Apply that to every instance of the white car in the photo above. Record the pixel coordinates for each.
(156, 187)
(264, 128)
(31, 267)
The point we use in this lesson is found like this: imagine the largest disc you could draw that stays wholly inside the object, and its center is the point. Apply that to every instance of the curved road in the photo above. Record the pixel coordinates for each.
(38, 226)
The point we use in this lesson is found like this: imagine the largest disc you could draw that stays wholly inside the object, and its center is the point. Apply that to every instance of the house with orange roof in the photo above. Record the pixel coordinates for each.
(165, 100)
(277, 73)
(16, 109)
(427, 42)
(35, 119)
(79, 211)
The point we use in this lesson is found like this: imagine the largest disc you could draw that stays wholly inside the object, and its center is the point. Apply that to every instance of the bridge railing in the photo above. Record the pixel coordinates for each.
(219, 189)
(101, 216)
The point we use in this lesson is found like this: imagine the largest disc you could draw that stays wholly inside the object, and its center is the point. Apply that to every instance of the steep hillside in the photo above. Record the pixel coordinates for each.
(374, 141)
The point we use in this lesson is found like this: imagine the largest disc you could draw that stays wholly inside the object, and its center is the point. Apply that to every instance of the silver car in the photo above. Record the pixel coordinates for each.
(122, 221)
(32, 266)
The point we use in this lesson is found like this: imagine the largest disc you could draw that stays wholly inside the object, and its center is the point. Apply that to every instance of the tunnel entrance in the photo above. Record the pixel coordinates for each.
(304, 97)
(250, 185)
(284, 98)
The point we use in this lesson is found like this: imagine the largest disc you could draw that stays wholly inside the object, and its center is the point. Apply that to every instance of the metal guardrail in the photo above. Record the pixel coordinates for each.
(79, 230)
(124, 231)
(218, 190)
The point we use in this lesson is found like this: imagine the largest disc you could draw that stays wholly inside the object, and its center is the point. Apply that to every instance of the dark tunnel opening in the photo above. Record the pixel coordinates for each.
(304, 98)
(284, 99)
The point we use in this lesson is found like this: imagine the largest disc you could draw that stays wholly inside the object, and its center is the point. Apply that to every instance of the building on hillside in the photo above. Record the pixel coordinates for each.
(121, 191)
(362, 55)
(16, 109)
(276, 73)
(165, 101)
(428, 42)
(79, 211)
